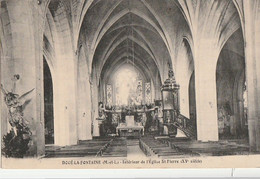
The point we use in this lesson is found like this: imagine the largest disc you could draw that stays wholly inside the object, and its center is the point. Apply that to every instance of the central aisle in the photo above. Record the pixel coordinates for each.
(133, 149)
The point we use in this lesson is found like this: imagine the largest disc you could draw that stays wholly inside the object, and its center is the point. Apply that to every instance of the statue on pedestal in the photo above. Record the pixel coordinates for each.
(17, 139)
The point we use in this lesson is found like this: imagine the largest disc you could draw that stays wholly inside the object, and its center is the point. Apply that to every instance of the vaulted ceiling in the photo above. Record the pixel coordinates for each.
(118, 32)
(145, 33)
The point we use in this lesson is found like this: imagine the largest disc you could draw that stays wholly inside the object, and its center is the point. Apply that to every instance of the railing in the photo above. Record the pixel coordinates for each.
(186, 125)
(100, 152)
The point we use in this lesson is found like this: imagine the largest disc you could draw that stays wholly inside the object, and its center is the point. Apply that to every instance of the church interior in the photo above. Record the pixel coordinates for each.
(117, 78)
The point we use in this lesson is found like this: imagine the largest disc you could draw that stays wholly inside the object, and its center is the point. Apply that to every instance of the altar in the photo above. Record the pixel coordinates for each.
(130, 128)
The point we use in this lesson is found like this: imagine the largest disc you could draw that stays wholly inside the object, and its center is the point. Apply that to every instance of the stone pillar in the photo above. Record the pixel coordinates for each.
(238, 105)
(240, 119)
(211, 25)
(206, 95)
(6, 63)
(84, 114)
(65, 118)
(184, 65)
(27, 22)
(184, 98)
(94, 99)
(252, 56)
(88, 120)
(157, 88)
(83, 101)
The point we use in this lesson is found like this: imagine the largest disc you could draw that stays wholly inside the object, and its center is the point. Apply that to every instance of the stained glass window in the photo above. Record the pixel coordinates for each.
(148, 97)
(139, 91)
(109, 95)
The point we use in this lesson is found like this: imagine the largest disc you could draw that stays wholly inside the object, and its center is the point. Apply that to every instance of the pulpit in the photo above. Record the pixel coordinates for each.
(130, 128)
(170, 90)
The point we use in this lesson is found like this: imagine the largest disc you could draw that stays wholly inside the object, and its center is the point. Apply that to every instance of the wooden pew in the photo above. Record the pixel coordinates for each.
(160, 148)
(117, 148)
(83, 149)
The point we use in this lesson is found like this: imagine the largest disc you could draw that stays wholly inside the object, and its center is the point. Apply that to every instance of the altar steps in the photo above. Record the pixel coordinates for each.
(133, 142)
(117, 148)
(83, 149)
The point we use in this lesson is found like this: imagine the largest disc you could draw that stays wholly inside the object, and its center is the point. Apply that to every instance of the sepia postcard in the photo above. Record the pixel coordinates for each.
(133, 84)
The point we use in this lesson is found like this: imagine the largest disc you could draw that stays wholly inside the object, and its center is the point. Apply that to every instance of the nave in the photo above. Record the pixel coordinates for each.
(149, 147)
(96, 72)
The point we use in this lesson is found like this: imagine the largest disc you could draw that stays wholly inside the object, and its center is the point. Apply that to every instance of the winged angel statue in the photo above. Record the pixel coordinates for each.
(15, 142)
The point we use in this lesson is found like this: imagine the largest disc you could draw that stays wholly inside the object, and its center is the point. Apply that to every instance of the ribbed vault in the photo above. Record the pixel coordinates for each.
(130, 31)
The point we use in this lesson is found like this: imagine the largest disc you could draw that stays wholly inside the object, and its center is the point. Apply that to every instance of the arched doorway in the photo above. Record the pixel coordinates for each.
(230, 79)
(48, 104)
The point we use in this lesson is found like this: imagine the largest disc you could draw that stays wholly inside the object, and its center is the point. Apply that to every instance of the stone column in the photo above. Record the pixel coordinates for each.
(84, 114)
(88, 120)
(211, 25)
(83, 98)
(184, 99)
(27, 21)
(206, 96)
(184, 67)
(94, 99)
(65, 115)
(84, 107)
(252, 56)
(6, 63)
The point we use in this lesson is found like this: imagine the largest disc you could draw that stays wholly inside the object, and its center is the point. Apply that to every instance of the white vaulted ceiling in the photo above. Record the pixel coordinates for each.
(148, 33)
(131, 31)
